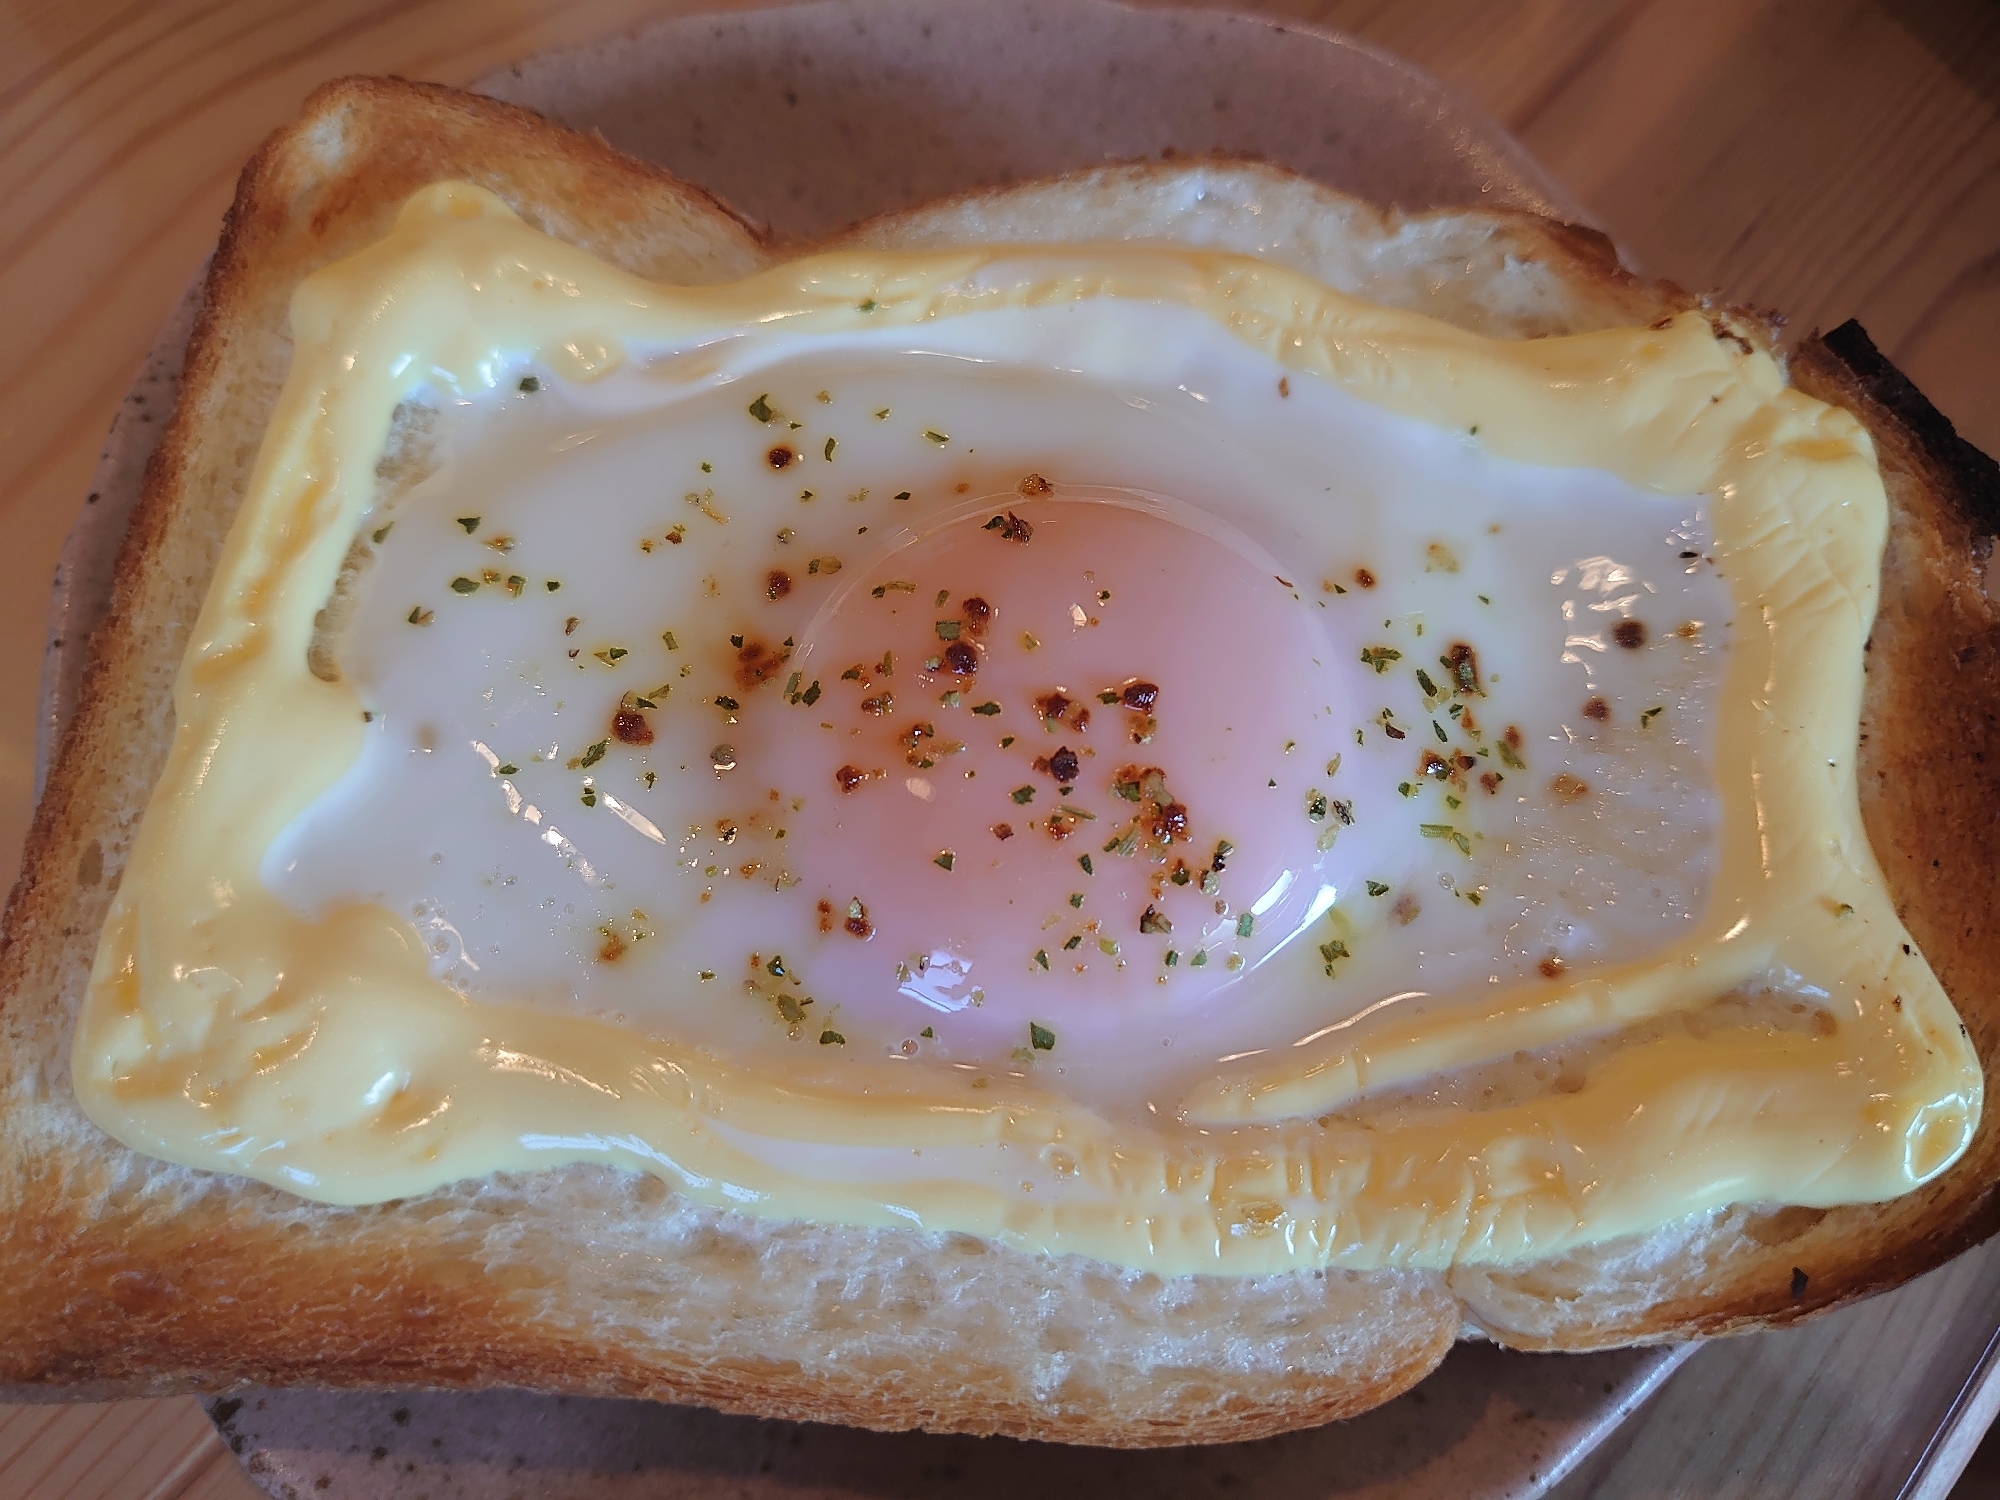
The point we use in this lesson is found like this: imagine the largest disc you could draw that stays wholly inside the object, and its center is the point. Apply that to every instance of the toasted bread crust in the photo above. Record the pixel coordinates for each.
(134, 1277)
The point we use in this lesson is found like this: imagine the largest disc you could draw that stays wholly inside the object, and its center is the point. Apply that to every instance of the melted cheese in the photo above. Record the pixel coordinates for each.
(322, 1050)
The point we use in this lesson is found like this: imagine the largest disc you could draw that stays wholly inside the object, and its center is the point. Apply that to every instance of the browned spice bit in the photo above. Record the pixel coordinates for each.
(1003, 831)
(1631, 634)
(1462, 662)
(777, 584)
(1011, 528)
(1051, 707)
(1392, 731)
(629, 727)
(1512, 738)
(1032, 485)
(1434, 766)
(1363, 578)
(977, 614)
(850, 777)
(1405, 910)
(1552, 966)
(1140, 696)
(1463, 761)
(879, 705)
(857, 923)
(825, 909)
(961, 658)
(1569, 788)
(1170, 822)
(1284, 386)
(1063, 765)
(757, 663)
(780, 457)
(1490, 782)
(612, 948)
(1596, 708)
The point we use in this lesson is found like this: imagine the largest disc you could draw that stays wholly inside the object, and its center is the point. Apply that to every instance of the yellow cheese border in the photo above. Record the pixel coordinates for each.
(222, 1031)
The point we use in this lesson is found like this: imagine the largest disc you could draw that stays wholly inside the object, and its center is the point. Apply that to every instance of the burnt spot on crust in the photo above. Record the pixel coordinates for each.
(1974, 477)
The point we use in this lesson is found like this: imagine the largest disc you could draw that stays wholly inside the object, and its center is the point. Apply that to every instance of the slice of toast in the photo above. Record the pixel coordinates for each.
(128, 1276)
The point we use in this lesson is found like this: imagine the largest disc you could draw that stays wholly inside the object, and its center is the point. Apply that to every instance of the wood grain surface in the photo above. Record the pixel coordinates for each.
(1830, 158)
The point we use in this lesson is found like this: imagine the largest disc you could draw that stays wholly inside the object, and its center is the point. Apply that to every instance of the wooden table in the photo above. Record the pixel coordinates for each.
(1834, 159)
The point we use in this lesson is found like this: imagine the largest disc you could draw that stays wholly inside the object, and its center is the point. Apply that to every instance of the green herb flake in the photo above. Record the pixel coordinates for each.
(470, 523)
(1379, 657)
(1076, 898)
(1173, 958)
(936, 437)
(1245, 924)
(1042, 957)
(671, 643)
(552, 584)
(831, 444)
(761, 408)
(1040, 1037)
(1438, 729)
(595, 753)
(1023, 795)
(868, 304)
(1646, 718)
(463, 585)
(929, 1033)
(530, 384)
(811, 695)
(1316, 805)
(1006, 740)
(1073, 944)
(1512, 757)
(1377, 888)
(986, 710)
(589, 795)
(515, 584)
(945, 860)
(1084, 861)
(381, 532)
(832, 1038)
(1424, 682)
(900, 494)
(1447, 832)
(947, 630)
(419, 615)
(1200, 960)
(507, 769)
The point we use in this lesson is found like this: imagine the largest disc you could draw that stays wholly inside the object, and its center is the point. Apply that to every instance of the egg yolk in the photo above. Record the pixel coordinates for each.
(1059, 765)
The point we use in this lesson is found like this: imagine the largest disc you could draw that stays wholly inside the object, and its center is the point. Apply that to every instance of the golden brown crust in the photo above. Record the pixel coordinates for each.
(129, 1276)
